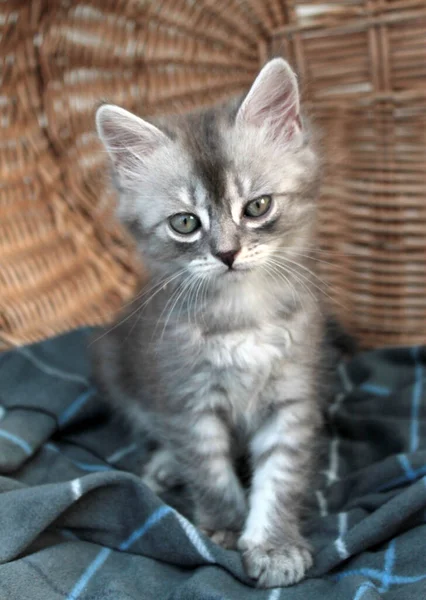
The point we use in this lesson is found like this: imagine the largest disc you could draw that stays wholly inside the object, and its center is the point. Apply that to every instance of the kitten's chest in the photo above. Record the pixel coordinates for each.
(254, 350)
(238, 366)
(225, 371)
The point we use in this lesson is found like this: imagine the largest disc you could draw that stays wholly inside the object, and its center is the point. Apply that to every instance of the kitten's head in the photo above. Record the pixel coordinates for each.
(222, 193)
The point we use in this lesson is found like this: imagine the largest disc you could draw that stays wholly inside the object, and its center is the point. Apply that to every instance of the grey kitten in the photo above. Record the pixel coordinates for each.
(220, 357)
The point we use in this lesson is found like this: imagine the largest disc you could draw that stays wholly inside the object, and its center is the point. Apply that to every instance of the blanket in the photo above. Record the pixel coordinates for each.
(76, 521)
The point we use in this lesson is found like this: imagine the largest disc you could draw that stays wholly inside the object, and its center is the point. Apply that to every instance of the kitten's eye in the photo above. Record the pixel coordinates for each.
(185, 223)
(258, 208)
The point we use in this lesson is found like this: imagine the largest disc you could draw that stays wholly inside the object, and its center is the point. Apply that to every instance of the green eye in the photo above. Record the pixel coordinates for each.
(185, 223)
(258, 208)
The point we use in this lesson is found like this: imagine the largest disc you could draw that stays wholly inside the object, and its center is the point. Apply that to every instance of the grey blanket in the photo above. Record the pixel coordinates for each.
(76, 522)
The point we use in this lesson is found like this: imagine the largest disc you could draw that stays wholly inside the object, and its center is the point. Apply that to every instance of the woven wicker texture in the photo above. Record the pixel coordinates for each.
(362, 66)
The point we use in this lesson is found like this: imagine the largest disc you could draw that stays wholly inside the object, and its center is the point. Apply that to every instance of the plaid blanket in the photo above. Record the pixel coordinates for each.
(77, 522)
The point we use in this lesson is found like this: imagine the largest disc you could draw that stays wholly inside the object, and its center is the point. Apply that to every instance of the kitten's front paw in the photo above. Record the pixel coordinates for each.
(276, 567)
(227, 538)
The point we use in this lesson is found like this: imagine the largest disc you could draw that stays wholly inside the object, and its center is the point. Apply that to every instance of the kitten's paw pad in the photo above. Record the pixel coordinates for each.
(276, 568)
(226, 538)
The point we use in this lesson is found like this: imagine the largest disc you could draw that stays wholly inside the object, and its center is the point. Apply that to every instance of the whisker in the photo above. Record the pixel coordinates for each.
(287, 260)
(144, 291)
(300, 281)
(314, 258)
(140, 307)
(316, 286)
(274, 270)
(199, 288)
(185, 286)
(322, 281)
(189, 302)
(204, 291)
(164, 283)
(314, 250)
(169, 300)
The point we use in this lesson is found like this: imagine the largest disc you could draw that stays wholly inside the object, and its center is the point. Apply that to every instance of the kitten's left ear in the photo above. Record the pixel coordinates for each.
(273, 102)
(129, 140)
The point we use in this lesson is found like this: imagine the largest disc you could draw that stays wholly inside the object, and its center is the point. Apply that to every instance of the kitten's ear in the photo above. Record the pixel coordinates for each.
(273, 102)
(128, 139)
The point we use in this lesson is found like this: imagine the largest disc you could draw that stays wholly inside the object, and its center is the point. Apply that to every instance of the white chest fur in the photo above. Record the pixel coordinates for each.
(241, 364)
(248, 350)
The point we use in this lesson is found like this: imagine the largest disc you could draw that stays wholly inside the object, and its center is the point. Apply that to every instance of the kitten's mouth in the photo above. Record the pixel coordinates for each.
(236, 271)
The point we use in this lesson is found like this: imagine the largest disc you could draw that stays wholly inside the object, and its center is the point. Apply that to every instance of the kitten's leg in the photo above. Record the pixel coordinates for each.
(161, 473)
(274, 551)
(220, 503)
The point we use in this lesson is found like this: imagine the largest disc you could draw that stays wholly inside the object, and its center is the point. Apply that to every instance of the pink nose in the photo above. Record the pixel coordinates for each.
(228, 258)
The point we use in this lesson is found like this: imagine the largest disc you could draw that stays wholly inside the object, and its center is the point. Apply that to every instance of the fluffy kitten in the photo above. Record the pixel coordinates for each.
(220, 358)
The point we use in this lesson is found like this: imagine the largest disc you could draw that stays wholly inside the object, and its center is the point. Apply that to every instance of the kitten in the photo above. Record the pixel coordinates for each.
(220, 358)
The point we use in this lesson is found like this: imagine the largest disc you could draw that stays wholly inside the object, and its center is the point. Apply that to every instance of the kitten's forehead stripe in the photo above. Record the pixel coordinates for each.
(203, 141)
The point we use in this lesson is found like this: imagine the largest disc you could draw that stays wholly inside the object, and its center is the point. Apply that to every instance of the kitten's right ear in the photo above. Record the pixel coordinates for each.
(273, 102)
(129, 141)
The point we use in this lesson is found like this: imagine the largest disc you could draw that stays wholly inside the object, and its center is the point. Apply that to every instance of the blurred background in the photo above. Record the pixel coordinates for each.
(64, 261)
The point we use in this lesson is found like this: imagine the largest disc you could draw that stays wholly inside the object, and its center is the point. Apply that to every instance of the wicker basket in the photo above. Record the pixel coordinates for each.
(63, 259)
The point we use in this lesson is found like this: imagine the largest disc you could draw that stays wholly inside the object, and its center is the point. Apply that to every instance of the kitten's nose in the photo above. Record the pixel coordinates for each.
(228, 257)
